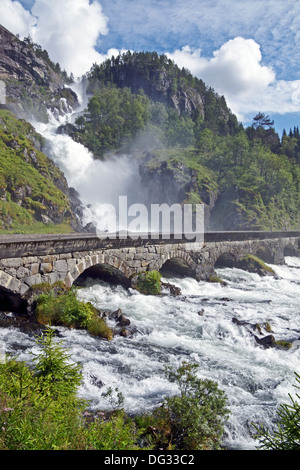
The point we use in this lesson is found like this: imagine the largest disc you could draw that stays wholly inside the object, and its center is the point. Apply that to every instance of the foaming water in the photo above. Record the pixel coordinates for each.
(97, 182)
(196, 326)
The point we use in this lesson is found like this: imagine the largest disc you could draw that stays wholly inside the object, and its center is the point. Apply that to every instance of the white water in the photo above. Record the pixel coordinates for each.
(97, 182)
(169, 330)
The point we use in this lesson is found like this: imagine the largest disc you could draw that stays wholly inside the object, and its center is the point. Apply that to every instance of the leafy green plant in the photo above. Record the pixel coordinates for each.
(192, 420)
(287, 434)
(149, 282)
(65, 309)
(56, 376)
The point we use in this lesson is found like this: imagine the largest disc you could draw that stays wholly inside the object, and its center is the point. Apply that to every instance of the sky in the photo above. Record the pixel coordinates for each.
(246, 50)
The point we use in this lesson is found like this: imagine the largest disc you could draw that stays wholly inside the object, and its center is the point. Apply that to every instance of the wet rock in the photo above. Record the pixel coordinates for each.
(125, 332)
(267, 341)
(122, 320)
(116, 314)
(174, 290)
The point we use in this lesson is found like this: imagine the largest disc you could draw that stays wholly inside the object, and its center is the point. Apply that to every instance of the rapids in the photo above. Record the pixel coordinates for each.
(195, 326)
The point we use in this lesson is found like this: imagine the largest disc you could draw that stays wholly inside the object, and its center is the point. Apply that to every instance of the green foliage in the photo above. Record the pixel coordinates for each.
(287, 434)
(40, 410)
(38, 406)
(112, 119)
(192, 420)
(65, 309)
(56, 377)
(149, 282)
(118, 433)
(164, 82)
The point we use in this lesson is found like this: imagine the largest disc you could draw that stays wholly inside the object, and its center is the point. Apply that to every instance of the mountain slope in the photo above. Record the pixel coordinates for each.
(190, 146)
(34, 195)
(163, 81)
(33, 82)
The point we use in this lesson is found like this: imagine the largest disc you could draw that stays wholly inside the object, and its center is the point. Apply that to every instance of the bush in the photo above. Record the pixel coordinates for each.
(65, 309)
(149, 283)
(39, 408)
(193, 420)
(287, 435)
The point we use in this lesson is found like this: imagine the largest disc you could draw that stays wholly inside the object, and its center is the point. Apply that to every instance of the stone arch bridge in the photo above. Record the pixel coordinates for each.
(26, 260)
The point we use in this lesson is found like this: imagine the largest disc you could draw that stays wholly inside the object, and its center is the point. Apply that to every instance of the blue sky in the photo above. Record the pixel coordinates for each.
(248, 51)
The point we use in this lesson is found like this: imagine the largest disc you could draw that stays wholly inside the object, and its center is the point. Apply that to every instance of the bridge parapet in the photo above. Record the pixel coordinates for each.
(29, 260)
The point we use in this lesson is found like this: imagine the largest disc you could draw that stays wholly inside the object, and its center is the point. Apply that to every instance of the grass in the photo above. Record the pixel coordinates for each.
(63, 308)
(37, 227)
(257, 262)
(26, 170)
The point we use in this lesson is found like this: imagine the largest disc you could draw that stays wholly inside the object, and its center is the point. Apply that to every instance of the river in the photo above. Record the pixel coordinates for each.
(196, 326)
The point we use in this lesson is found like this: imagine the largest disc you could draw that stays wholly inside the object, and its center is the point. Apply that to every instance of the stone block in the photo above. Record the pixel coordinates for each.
(81, 266)
(22, 272)
(4, 279)
(51, 278)
(49, 259)
(32, 280)
(46, 268)
(18, 287)
(68, 280)
(145, 263)
(65, 256)
(71, 263)
(88, 262)
(11, 271)
(30, 259)
(11, 263)
(34, 269)
(60, 266)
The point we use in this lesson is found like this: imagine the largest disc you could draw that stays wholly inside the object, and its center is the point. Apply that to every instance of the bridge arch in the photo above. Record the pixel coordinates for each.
(105, 267)
(265, 253)
(174, 261)
(11, 291)
(226, 260)
(291, 250)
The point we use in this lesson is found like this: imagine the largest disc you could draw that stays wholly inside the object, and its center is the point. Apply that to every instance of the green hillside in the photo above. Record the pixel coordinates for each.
(30, 198)
(184, 133)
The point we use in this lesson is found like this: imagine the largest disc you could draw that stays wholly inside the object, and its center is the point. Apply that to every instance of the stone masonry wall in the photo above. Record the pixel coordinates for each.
(18, 274)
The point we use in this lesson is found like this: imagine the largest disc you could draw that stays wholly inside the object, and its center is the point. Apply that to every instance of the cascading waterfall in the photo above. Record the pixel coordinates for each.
(97, 182)
(196, 326)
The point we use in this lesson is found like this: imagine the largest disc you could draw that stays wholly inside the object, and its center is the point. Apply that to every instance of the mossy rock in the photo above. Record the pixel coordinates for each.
(217, 279)
(253, 264)
(283, 345)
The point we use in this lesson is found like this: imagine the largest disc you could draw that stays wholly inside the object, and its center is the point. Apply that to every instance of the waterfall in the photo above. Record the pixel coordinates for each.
(97, 182)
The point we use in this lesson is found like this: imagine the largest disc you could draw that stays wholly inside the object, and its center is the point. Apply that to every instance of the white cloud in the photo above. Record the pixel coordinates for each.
(236, 71)
(68, 29)
(15, 18)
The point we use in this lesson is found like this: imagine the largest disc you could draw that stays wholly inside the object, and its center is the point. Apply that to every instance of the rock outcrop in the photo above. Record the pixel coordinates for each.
(32, 83)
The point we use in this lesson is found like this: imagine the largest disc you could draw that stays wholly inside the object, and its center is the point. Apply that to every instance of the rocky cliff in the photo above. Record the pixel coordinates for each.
(34, 194)
(173, 177)
(33, 83)
(163, 81)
